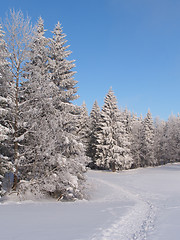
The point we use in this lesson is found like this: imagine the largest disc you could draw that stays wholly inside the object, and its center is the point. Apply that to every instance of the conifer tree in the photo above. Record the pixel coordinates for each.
(6, 129)
(53, 160)
(111, 152)
(60, 67)
(124, 139)
(34, 105)
(104, 135)
(83, 126)
(147, 142)
(136, 140)
(171, 139)
(62, 75)
(160, 154)
(94, 121)
(95, 115)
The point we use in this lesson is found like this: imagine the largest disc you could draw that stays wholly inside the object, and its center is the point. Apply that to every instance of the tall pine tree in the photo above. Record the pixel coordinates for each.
(112, 150)
(53, 160)
(94, 121)
(83, 127)
(136, 140)
(147, 142)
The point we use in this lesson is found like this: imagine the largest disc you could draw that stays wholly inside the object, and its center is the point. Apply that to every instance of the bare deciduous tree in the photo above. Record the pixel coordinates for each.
(19, 33)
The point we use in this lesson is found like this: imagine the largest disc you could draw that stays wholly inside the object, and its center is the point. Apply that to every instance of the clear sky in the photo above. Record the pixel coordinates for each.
(131, 45)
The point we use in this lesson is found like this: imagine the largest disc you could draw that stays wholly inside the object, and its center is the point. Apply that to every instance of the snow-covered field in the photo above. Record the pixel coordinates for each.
(136, 204)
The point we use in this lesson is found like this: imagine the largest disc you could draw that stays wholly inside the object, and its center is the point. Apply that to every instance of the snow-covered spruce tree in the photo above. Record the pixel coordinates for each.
(6, 129)
(53, 160)
(136, 140)
(159, 141)
(95, 115)
(177, 137)
(83, 126)
(147, 142)
(60, 67)
(111, 152)
(94, 120)
(125, 138)
(171, 139)
(33, 105)
(62, 75)
(18, 37)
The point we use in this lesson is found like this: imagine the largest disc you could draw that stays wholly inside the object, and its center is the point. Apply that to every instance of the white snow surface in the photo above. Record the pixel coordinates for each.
(135, 204)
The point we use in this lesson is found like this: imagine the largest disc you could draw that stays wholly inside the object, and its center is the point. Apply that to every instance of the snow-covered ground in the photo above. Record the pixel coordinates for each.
(136, 204)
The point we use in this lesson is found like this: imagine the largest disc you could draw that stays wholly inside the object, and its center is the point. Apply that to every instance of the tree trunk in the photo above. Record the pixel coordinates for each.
(16, 155)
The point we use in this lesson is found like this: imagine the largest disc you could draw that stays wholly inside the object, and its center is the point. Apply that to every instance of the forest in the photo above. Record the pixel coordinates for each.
(47, 143)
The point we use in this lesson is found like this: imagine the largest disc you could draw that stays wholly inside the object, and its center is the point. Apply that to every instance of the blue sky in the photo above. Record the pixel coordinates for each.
(131, 45)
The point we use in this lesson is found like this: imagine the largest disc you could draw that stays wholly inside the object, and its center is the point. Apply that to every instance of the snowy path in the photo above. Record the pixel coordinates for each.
(137, 221)
(131, 205)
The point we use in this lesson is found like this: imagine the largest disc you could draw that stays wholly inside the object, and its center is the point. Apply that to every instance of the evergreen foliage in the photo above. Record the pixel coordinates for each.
(6, 128)
(94, 121)
(112, 148)
(159, 141)
(125, 139)
(60, 67)
(83, 127)
(136, 141)
(147, 142)
(52, 160)
(170, 140)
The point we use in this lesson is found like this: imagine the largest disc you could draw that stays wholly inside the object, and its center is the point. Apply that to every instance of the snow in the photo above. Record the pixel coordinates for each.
(19, 139)
(135, 204)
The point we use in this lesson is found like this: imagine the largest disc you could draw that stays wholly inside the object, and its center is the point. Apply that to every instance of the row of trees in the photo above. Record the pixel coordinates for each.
(120, 140)
(41, 154)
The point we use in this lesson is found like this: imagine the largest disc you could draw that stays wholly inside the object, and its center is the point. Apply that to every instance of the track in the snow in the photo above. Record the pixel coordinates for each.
(138, 219)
